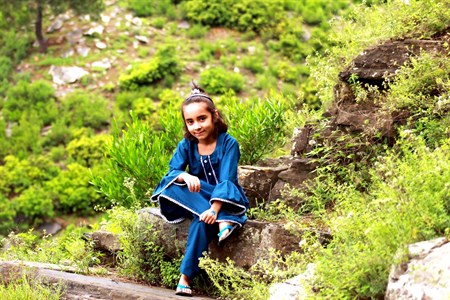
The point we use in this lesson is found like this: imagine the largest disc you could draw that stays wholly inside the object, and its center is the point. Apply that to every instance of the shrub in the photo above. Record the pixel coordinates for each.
(71, 191)
(244, 15)
(258, 125)
(87, 151)
(142, 256)
(6, 66)
(18, 175)
(219, 81)
(80, 109)
(146, 8)
(407, 203)
(12, 46)
(137, 160)
(163, 66)
(33, 206)
(197, 31)
(38, 97)
(26, 136)
(7, 214)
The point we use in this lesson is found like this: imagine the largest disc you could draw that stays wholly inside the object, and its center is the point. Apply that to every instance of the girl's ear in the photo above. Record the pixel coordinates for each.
(216, 114)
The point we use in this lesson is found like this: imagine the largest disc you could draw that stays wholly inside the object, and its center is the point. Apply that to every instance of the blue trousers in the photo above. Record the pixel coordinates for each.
(199, 236)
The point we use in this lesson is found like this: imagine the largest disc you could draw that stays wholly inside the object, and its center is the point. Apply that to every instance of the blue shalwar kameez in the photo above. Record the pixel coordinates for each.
(218, 182)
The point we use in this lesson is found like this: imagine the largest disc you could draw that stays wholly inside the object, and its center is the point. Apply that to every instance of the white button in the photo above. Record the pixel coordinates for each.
(205, 161)
(209, 174)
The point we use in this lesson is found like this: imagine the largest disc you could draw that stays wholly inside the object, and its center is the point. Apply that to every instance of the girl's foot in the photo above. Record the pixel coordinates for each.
(183, 287)
(225, 230)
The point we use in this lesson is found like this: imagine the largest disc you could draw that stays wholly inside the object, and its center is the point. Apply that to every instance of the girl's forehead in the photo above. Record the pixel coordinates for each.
(195, 108)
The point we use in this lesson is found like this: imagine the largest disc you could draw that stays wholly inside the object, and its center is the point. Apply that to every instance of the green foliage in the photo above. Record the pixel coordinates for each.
(84, 109)
(25, 136)
(87, 151)
(146, 8)
(33, 206)
(18, 175)
(7, 215)
(137, 160)
(258, 125)
(219, 80)
(244, 15)
(142, 256)
(68, 248)
(417, 86)
(71, 191)
(363, 27)
(13, 47)
(197, 31)
(407, 203)
(38, 97)
(163, 66)
(28, 287)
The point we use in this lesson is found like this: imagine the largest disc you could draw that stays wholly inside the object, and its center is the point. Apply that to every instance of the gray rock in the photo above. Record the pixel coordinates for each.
(295, 288)
(425, 276)
(65, 75)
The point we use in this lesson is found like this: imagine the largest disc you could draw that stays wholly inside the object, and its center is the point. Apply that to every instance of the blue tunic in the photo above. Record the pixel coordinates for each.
(218, 182)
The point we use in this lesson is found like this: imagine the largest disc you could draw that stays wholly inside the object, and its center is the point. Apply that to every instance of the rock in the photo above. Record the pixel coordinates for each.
(136, 21)
(65, 75)
(102, 64)
(56, 25)
(142, 39)
(183, 25)
(374, 65)
(100, 45)
(301, 140)
(83, 51)
(95, 30)
(245, 247)
(425, 276)
(50, 228)
(106, 240)
(294, 288)
(259, 181)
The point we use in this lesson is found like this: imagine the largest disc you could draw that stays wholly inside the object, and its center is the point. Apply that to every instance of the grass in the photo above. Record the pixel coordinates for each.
(26, 289)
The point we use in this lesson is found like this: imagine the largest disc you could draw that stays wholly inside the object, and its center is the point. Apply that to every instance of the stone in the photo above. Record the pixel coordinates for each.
(51, 228)
(426, 274)
(95, 30)
(294, 288)
(258, 182)
(65, 75)
(183, 25)
(100, 45)
(142, 39)
(376, 64)
(102, 64)
(106, 240)
(55, 26)
(83, 51)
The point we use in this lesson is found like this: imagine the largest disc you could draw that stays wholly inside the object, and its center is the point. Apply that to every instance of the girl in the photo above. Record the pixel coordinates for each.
(202, 183)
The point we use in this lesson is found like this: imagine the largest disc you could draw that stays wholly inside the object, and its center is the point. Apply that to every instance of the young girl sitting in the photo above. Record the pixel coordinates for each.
(202, 183)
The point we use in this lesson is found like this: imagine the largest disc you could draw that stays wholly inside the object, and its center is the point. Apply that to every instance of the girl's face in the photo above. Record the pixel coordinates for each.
(199, 121)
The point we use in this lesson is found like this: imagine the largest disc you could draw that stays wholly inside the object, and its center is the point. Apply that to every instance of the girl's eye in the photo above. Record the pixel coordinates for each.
(189, 122)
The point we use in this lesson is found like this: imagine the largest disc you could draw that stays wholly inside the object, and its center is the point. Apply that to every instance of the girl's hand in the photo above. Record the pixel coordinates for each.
(209, 216)
(191, 181)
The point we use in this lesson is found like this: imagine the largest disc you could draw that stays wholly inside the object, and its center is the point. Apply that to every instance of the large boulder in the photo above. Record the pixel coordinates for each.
(245, 246)
(426, 274)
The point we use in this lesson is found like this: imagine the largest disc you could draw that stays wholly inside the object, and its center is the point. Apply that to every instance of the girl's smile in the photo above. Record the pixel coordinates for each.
(199, 122)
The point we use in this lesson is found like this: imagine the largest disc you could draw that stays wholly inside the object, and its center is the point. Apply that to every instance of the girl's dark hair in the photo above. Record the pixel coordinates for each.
(198, 95)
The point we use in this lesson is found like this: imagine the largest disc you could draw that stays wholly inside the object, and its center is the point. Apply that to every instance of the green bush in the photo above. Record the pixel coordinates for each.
(71, 191)
(6, 66)
(243, 15)
(18, 175)
(7, 214)
(407, 203)
(13, 45)
(197, 31)
(137, 160)
(146, 8)
(38, 97)
(87, 151)
(142, 256)
(163, 66)
(33, 206)
(82, 109)
(219, 80)
(26, 135)
(258, 125)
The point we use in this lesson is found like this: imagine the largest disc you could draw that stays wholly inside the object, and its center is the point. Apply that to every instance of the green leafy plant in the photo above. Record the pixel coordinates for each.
(163, 66)
(219, 80)
(256, 124)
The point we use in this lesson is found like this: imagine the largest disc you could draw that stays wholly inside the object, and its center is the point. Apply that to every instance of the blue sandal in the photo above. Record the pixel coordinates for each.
(222, 235)
(183, 290)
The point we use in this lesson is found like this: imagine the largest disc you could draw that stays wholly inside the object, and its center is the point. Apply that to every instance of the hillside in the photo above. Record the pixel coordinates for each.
(374, 123)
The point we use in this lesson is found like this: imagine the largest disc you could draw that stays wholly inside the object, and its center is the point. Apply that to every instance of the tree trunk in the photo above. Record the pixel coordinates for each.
(38, 29)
